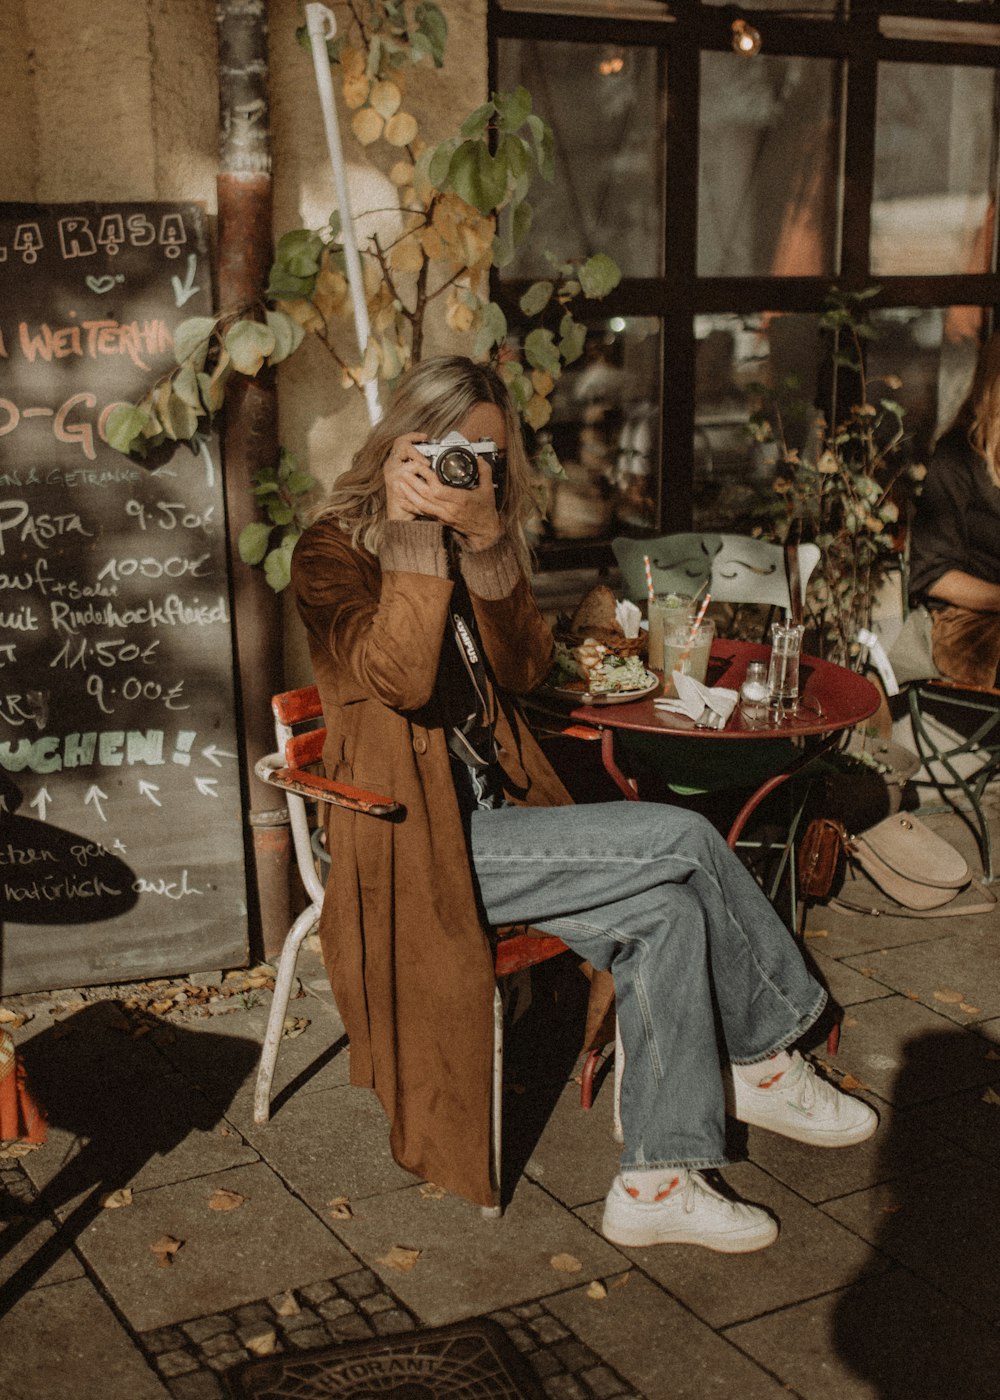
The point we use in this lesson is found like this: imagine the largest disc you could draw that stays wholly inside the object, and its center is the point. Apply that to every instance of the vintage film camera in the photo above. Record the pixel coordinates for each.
(454, 461)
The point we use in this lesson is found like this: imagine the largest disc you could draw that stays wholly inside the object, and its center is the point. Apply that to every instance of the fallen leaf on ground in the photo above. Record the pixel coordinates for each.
(867, 971)
(114, 1200)
(913, 996)
(969, 1010)
(263, 1344)
(992, 1054)
(221, 1199)
(949, 997)
(991, 1096)
(287, 1306)
(165, 1248)
(621, 1280)
(160, 1008)
(13, 1020)
(430, 1192)
(294, 1025)
(340, 1208)
(817, 933)
(849, 1021)
(890, 1210)
(849, 1082)
(566, 1263)
(597, 1290)
(225, 1132)
(19, 1149)
(400, 1258)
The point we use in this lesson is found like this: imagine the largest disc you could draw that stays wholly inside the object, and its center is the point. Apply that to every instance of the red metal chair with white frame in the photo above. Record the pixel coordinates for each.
(300, 736)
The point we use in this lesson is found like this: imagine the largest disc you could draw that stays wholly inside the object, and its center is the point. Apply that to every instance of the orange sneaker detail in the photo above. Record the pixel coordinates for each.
(665, 1191)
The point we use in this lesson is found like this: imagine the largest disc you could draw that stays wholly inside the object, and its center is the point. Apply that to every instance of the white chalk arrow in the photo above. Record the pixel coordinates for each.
(41, 801)
(184, 291)
(213, 754)
(150, 790)
(96, 797)
(118, 845)
(206, 786)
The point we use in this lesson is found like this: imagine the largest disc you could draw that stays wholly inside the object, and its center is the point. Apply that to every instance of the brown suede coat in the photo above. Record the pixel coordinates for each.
(409, 962)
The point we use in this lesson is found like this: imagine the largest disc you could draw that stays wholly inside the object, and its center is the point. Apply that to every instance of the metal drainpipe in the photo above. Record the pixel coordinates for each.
(250, 434)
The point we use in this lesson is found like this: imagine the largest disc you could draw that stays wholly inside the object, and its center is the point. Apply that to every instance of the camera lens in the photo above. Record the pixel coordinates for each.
(457, 466)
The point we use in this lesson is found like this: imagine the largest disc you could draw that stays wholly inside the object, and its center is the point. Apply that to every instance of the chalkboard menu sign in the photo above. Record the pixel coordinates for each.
(121, 828)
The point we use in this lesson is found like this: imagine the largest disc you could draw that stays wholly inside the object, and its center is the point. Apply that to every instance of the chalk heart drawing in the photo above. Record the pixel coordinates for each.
(100, 285)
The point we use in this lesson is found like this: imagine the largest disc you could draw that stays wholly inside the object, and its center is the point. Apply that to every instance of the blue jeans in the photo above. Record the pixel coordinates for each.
(653, 893)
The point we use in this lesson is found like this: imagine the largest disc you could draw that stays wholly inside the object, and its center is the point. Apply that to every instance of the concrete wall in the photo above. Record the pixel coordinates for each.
(118, 99)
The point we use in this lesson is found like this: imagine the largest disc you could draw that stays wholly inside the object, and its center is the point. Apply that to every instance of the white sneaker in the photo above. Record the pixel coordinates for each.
(691, 1212)
(801, 1105)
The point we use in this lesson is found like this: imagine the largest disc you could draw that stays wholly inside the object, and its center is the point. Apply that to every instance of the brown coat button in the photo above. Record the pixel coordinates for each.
(420, 744)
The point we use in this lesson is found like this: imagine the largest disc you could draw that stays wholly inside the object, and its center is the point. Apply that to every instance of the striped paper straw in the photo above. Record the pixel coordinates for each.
(695, 625)
(649, 577)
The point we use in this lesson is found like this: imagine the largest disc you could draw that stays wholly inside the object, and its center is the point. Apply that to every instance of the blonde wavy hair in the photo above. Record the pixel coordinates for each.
(983, 406)
(433, 398)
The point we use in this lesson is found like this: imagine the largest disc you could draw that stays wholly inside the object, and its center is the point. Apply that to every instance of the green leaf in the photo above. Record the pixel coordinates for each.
(432, 24)
(476, 122)
(476, 178)
(186, 387)
(249, 343)
(522, 390)
(253, 541)
(192, 339)
(125, 423)
(288, 336)
(520, 222)
(599, 275)
(277, 565)
(513, 108)
(333, 226)
(891, 406)
(540, 351)
(515, 155)
(299, 251)
(536, 298)
(179, 419)
(374, 53)
(439, 161)
(299, 483)
(548, 463)
(282, 285)
(279, 511)
(492, 330)
(541, 135)
(572, 336)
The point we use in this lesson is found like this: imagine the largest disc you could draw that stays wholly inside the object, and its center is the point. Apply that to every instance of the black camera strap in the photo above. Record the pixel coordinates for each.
(471, 735)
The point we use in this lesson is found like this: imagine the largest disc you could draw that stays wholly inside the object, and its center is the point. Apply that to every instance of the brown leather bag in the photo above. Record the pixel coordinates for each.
(823, 843)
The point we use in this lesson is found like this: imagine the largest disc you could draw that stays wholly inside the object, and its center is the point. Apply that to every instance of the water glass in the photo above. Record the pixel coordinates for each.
(783, 672)
(664, 608)
(686, 650)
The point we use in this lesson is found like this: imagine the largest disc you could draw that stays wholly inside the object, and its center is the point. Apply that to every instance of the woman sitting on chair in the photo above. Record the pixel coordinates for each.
(955, 548)
(422, 630)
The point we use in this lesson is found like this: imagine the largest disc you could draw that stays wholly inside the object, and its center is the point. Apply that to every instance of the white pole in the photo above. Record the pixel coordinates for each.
(322, 26)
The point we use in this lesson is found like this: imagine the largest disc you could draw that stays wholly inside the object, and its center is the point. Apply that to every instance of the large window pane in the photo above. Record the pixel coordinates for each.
(767, 189)
(733, 474)
(933, 353)
(605, 430)
(935, 168)
(606, 109)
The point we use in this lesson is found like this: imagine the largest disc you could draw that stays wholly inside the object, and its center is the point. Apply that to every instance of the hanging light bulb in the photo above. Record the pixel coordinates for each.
(746, 39)
(612, 62)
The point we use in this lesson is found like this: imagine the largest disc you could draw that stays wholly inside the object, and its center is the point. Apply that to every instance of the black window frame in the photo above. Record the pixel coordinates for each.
(689, 28)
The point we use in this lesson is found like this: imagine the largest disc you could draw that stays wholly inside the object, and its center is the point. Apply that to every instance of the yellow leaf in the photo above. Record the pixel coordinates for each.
(597, 1290)
(459, 317)
(114, 1200)
(400, 129)
(159, 1007)
(352, 61)
(222, 1199)
(991, 1096)
(385, 98)
(303, 313)
(407, 255)
(400, 1258)
(969, 1010)
(165, 1248)
(287, 1306)
(992, 1054)
(340, 1208)
(566, 1263)
(294, 1026)
(949, 997)
(367, 125)
(263, 1344)
(538, 412)
(849, 1082)
(817, 933)
(542, 381)
(430, 1192)
(621, 1280)
(356, 91)
(401, 173)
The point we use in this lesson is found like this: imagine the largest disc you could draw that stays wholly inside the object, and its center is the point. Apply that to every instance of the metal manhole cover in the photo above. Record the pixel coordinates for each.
(466, 1361)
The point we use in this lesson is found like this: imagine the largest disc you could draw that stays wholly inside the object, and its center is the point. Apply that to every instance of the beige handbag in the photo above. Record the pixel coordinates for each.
(921, 872)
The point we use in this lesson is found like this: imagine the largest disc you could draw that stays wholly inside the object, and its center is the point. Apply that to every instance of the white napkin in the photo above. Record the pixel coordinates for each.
(628, 616)
(693, 697)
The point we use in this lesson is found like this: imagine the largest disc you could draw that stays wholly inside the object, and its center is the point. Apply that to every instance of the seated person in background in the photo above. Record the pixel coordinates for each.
(955, 547)
(422, 631)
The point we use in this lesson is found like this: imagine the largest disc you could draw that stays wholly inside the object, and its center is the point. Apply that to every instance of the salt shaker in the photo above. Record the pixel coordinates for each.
(754, 692)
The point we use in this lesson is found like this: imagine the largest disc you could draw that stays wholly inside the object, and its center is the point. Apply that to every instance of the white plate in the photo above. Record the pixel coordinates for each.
(607, 697)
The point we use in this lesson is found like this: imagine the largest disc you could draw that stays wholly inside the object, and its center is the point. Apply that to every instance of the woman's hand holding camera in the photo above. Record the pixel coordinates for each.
(413, 492)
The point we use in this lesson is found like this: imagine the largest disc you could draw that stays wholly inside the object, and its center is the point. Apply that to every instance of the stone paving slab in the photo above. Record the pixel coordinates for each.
(576, 1157)
(722, 1289)
(331, 1143)
(65, 1340)
(969, 1120)
(657, 1345)
(846, 987)
(271, 1243)
(907, 1053)
(887, 1338)
(943, 1225)
(469, 1264)
(928, 972)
